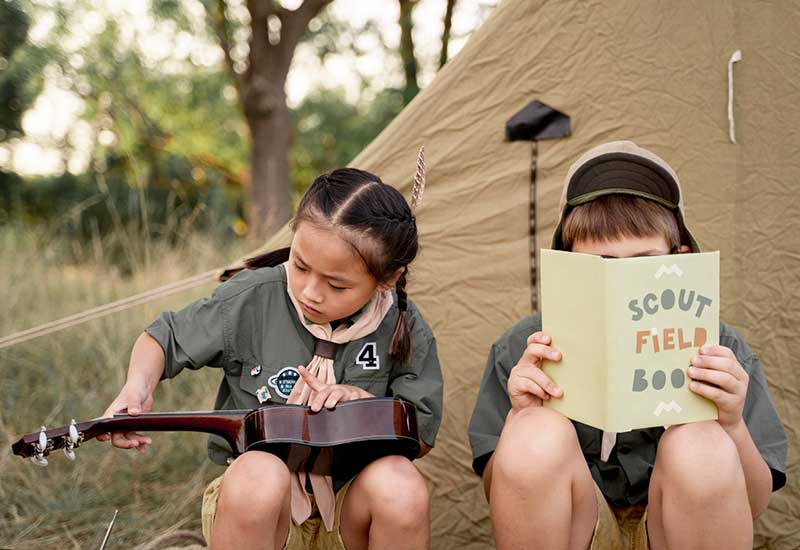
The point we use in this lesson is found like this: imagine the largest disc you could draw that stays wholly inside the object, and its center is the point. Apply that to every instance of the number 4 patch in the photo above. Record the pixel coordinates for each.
(368, 357)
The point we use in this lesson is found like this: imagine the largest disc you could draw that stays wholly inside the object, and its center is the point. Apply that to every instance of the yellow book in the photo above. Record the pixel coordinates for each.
(627, 328)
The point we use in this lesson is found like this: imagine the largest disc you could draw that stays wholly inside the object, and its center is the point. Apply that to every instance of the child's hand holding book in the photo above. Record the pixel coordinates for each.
(528, 385)
(718, 376)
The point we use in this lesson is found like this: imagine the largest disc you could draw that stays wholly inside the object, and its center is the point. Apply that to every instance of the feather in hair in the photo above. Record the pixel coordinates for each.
(419, 180)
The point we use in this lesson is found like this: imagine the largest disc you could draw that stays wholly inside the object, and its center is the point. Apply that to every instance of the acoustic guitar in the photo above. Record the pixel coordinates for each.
(338, 442)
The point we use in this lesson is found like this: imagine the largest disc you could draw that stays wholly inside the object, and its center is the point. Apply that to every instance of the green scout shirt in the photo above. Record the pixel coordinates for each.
(625, 477)
(249, 329)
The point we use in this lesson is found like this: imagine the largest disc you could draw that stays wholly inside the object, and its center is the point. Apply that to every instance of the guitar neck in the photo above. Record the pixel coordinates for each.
(226, 424)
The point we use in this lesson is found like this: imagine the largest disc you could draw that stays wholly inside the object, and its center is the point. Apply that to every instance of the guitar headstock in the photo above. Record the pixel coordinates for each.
(38, 445)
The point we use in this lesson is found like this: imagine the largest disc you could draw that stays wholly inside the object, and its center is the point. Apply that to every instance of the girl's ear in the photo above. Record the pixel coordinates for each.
(684, 249)
(392, 280)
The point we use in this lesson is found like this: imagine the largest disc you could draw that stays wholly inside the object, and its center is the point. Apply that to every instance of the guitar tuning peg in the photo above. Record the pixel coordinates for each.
(39, 459)
(41, 448)
(71, 440)
(73, 432)
(42, 439)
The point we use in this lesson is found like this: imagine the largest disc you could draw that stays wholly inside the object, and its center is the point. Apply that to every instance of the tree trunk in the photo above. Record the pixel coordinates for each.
(448, 23)
(269, 199)
(262, 94)
(410, 66)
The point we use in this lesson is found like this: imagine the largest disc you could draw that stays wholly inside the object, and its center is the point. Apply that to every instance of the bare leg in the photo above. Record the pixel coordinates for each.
(387, 507)
(254, 505)
(541, 494)
(698, 496)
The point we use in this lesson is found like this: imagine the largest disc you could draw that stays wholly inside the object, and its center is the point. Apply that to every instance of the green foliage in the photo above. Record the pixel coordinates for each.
(105, 215)
(192, 112)
(21, 67)
(169, 144)
(14, 24)
(169, 151)
(170, 10)
(330, 132)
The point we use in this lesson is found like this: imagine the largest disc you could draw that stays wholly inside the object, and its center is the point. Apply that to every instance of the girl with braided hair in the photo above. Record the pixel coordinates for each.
(342, 281)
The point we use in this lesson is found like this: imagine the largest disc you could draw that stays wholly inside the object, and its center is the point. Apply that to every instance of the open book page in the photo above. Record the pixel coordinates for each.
(573, 315)
(657, 311)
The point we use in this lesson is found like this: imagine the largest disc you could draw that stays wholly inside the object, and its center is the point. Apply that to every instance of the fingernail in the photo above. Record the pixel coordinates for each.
(696, 360)
(692, 371)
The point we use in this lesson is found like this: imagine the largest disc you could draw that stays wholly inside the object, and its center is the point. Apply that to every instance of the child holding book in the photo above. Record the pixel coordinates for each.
(555, 484)
(341, 284)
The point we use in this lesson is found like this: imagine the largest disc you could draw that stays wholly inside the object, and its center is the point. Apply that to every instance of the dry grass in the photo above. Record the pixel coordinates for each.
(75, 374)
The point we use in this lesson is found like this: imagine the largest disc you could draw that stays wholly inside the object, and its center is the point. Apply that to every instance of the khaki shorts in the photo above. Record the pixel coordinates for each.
(311, 534)
(619, 528)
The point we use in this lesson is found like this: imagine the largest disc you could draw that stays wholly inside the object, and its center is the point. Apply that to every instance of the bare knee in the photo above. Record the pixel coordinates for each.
(396, 491)
(700, 461)
(535, 445)
(256, 485)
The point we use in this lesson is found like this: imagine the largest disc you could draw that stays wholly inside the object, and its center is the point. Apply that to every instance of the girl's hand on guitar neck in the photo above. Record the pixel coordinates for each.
(328, 395)
(133, 400)
(144, 372)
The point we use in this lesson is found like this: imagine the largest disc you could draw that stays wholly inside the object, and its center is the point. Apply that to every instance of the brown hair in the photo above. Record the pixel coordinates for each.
(614, 216)
(377, 222)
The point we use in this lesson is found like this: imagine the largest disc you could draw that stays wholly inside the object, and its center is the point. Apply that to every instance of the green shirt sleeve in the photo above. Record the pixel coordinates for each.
(192, 337)
(759, 412)
(493, 403)
(420, 381)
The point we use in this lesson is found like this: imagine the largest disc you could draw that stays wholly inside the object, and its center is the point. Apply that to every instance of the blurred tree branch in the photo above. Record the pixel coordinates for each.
(448, 24)
(407, 54)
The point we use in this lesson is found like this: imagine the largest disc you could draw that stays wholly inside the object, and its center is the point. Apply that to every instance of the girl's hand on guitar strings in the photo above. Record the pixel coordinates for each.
(328, 395)
(133, 400)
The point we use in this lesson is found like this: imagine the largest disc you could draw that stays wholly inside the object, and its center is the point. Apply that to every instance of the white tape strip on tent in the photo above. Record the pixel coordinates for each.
(735, 58)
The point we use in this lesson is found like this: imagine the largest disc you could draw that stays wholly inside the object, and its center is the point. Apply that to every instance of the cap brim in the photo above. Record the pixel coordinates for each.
(621, 172)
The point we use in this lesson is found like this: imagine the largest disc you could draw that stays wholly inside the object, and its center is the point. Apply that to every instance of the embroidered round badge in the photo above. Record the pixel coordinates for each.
(284, 381)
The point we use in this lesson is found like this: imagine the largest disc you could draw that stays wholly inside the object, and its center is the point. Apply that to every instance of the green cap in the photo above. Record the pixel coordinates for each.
(622, 167)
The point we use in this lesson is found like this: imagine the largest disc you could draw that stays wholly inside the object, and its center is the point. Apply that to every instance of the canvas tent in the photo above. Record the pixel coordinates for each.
(655, 73)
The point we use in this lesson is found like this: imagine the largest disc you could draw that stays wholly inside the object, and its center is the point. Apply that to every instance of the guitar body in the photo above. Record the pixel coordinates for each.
(337, 442)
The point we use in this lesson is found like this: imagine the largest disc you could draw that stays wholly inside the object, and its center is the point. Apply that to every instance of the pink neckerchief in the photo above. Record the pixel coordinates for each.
(607, 443)
(322, 368)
